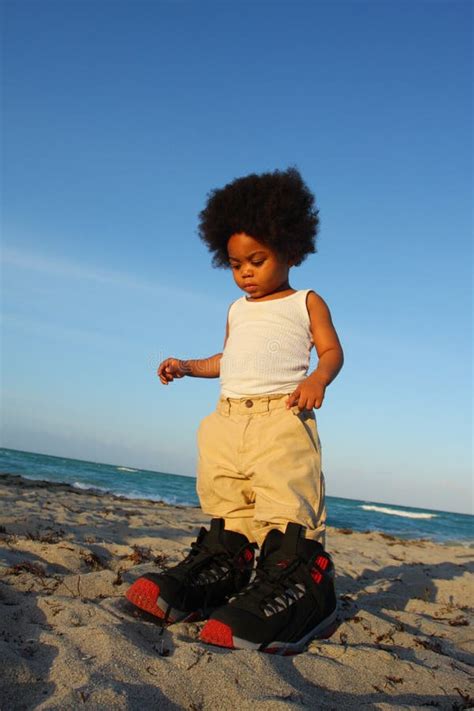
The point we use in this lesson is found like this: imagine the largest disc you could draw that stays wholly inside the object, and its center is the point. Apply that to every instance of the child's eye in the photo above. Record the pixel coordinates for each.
(257, 264)
(235, 266)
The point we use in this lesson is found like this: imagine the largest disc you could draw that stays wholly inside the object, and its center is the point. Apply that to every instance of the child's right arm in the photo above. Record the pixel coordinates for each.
(172, 368)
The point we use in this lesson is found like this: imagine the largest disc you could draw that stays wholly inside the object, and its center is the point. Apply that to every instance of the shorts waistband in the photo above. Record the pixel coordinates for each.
(251, 405)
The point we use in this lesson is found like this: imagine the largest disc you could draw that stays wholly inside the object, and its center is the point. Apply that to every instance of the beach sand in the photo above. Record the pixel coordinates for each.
(70, 640)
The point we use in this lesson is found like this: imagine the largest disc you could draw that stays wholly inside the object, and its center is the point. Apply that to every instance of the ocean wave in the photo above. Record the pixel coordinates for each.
(394, 512)
(135, 495)
(89, 487)
(126, 469)
(157, 498)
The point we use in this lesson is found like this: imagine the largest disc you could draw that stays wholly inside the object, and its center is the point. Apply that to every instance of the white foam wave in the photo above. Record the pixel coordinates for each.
(394, 512)
(134, 495)
(170, 500)
(89, 487)
(126, 469)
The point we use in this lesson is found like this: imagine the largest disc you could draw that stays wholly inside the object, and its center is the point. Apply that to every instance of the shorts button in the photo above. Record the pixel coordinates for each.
(248, 403)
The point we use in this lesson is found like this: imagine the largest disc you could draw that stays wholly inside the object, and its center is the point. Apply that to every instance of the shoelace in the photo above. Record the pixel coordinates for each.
(287, 590)
(222, 563)
(218, 566)
(213, 565)
(273, 588)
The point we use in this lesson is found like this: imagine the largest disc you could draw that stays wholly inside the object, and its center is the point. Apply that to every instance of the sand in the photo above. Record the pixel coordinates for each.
(70, 640)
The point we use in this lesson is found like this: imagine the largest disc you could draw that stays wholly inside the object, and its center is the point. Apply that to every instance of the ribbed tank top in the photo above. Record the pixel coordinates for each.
(268, 348)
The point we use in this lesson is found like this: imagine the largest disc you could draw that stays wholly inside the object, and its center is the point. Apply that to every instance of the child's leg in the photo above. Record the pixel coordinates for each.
(259, 467)
(224, 490)
(282, 458)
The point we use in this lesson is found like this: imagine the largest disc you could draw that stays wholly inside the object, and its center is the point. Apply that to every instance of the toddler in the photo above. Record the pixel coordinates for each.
(259, 472)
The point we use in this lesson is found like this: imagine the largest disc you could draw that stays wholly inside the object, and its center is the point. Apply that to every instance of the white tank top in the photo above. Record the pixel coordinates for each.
(268, 348)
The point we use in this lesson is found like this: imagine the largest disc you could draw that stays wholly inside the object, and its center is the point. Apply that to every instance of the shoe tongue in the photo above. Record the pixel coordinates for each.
(285, 543)
(215, 531)
(275, 554)
(229, 539)
(290, 544)
(293, 534)
(295, 542)
(272, 542)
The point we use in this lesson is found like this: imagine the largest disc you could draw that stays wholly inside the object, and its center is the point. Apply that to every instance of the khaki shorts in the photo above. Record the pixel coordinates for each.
(259, 467)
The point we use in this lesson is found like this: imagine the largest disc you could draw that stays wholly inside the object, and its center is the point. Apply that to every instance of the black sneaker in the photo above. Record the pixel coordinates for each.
(290, 601)
(219, 565)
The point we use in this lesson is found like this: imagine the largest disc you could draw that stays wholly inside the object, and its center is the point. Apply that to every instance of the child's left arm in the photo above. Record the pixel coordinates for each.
(310, 393)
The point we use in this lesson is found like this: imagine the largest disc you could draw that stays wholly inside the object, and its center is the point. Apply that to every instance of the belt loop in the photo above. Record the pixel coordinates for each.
(227, 407)
(224, 406)
(267, 403)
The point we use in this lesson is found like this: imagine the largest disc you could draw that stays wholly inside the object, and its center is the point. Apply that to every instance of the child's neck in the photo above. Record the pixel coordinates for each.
(280, 293)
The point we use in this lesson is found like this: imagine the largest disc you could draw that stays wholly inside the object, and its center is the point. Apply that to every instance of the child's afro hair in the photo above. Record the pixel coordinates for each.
(275, 208)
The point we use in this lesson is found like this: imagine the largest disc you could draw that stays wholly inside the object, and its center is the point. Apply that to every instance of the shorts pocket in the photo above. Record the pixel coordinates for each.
(307, 425)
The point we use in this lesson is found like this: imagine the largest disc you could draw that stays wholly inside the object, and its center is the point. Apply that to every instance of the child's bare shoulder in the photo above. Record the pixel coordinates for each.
(315, 302)
(318, 311)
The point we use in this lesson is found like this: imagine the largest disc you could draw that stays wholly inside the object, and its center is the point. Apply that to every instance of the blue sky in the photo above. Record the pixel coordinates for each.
(120, 117)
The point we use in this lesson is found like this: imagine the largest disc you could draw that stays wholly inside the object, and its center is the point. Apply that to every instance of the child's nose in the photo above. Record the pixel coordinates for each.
(247, 271)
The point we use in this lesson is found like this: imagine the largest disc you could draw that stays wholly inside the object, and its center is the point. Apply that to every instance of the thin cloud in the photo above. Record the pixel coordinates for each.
(63, 268)
(50, 330)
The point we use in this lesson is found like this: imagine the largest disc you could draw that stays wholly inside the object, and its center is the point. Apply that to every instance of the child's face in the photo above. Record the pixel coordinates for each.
(257, 269)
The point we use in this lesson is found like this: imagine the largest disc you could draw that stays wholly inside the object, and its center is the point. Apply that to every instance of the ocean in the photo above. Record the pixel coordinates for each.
(401, 521)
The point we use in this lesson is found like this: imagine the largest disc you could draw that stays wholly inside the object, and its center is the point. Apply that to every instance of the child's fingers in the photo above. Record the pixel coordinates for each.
(319, 402)
(165, 371)
(162, 367)
(302, 403)
(293, 398)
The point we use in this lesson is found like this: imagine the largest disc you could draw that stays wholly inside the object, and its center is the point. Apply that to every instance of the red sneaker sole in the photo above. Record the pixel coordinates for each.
(144, 594)
(215, 632)
(220, 634)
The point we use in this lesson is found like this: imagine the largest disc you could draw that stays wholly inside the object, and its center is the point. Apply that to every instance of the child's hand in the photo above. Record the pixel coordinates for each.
(308, 394)
(170, 369)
